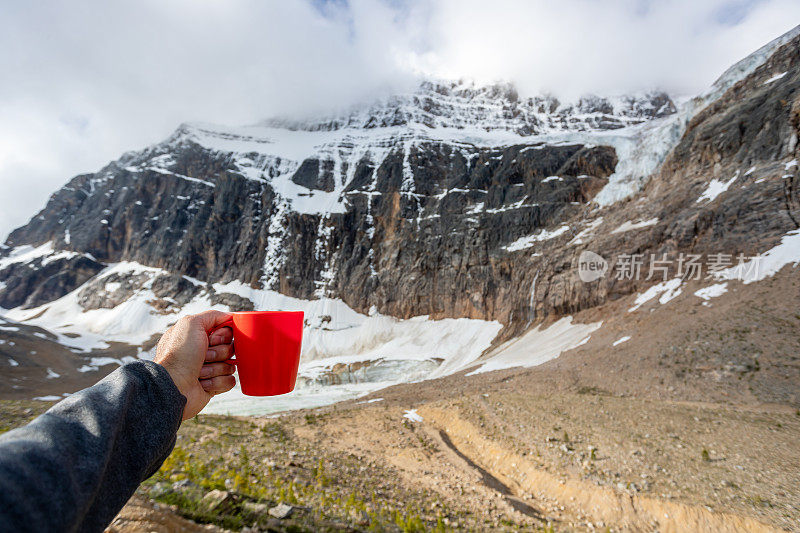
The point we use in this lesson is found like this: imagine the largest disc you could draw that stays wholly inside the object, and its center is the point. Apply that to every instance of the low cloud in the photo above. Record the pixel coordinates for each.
(610, 46)
(86, 81)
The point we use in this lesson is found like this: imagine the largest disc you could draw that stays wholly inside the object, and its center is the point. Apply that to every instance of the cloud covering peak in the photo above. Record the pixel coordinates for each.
(86, 81)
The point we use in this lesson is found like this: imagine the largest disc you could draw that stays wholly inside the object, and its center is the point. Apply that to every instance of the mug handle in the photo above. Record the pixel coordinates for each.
(227, 324)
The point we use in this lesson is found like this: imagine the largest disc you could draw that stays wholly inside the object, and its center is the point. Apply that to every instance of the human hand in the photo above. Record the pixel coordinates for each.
(195, 360)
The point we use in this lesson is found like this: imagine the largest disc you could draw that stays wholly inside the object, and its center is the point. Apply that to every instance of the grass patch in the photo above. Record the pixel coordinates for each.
(270, 467)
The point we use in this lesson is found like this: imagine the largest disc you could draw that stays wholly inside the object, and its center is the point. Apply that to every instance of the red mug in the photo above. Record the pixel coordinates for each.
(267, 347)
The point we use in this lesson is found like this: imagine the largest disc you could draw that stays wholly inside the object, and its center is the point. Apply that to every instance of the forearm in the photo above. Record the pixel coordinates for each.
(74, 467)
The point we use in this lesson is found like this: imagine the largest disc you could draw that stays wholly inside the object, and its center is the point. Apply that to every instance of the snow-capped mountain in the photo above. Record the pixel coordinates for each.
(331, 168)
(464, 205)
(497, 107)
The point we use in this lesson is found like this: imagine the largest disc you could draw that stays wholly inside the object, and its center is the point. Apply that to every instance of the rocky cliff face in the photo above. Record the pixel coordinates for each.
(455, 201)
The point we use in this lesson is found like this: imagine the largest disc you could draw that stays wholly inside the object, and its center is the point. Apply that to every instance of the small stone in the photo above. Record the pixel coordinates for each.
(217, 500)
(159, 489)
(281, 511)
(183, 484)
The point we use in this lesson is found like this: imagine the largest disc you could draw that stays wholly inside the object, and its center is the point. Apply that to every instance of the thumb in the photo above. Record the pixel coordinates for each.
(208, 320)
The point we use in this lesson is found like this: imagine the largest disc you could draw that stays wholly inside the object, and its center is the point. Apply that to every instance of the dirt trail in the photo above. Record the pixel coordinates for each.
(602, 504)
(421, 457)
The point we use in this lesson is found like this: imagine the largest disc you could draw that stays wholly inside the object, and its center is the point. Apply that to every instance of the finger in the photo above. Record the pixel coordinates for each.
(212, 370)
(208, 320)
(219, 353)
(220, 336)
(218, 384)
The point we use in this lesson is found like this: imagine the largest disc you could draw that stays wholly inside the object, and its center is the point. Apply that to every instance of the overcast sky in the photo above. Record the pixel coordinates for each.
(81, 82)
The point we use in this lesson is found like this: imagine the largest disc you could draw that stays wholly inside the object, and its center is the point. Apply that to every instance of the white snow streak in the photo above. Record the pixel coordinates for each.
(768, 263)
(275, 256)
(413, 415)
(529, 240)
(620, 340)
(776, 77)
(667, 289)
(538, 345)
(628, 225)
(712, 291)
(715, 188)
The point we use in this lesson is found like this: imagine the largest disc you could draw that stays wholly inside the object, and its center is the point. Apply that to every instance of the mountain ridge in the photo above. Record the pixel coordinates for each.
(437, 104)
(371, 227)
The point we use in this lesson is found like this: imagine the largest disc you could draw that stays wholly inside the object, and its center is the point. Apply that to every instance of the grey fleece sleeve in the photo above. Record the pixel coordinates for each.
(74, 467)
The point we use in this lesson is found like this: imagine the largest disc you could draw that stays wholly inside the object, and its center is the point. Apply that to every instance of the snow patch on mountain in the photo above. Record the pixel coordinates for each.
(334, 333)
(767, 264)
(715, 188)
(26, 254)
(666, 291)
(529, 240)
(619, 341)
(538, 345)
(628, 225)
(133, 322)
(776, 77)
(712, 291)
